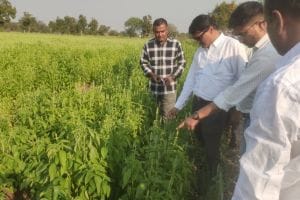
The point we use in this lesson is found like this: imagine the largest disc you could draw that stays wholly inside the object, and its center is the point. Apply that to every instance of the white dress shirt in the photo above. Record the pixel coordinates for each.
(270, 167)
(261, 65)
(213, 69)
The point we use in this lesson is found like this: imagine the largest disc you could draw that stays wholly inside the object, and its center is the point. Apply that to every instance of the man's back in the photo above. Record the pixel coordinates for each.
(276, 133)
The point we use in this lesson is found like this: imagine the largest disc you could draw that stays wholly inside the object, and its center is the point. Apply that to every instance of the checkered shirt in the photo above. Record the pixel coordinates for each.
(163, 60)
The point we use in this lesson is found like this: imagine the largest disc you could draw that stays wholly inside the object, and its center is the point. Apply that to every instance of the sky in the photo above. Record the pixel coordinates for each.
(114, 13)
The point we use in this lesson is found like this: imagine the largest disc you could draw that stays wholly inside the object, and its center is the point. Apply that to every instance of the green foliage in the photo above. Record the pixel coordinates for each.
(81, 24)
(7, 12)
(222, 13)
(93, 27)
(133, 26)
(27, 22)
(77, 122)
(103, 29)
(146, 25)
(70, 25)
(173, 32)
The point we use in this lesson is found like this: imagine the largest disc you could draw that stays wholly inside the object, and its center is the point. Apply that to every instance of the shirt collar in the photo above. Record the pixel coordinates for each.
(289, 56)
(158, 44)
(218, 40)
(262, 42)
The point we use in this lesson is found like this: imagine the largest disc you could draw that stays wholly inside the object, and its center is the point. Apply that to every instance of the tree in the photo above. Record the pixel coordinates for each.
(58, 26)
(113, 33)
(147, 25)
(93, 27)
(27, 22)
(42, 27)
(12, 26)
(103, 30)
(222, 13)
(82, 24)
(133, 26)
(7, 12)
(70, 25)
(52, 26)
(173, 32)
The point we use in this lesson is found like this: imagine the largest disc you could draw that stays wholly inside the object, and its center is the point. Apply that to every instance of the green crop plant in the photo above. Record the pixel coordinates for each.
(77, 122)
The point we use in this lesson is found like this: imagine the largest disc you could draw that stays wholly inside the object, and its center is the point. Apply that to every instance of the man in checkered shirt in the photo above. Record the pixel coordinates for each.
(162, 61)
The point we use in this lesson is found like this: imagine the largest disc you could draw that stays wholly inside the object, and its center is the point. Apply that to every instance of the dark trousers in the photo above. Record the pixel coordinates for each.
(246, 119)
(209, 131)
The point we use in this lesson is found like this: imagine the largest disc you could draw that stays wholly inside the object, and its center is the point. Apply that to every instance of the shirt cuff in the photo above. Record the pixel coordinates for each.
(221, 103)
(147, 71)
(179, 106)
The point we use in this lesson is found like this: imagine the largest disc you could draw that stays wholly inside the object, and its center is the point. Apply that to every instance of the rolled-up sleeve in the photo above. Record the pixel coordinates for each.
(256, 71)
(187, 89)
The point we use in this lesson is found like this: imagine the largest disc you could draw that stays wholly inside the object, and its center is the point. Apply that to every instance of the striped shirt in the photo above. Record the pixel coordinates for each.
(163, 60)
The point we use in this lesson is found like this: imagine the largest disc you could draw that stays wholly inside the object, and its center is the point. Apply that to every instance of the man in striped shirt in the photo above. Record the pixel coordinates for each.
(162, 61)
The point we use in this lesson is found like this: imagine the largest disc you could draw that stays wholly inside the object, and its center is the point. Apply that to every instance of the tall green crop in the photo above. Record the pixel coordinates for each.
(77, 122)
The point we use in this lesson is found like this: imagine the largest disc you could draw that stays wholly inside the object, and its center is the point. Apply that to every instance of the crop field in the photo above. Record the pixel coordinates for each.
(77, 122)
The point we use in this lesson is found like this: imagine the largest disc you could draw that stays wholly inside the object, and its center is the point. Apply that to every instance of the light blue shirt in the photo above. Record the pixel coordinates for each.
(261, 65)
(270, 167)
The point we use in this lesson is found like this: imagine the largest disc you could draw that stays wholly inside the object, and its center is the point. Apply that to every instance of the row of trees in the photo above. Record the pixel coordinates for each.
(134, 26)
(68, 24)
(65, 25)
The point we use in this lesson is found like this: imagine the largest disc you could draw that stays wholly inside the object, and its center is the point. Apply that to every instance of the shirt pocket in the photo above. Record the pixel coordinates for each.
(222, 68)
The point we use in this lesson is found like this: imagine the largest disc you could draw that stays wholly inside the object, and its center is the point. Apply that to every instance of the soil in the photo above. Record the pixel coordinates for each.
(18, 195)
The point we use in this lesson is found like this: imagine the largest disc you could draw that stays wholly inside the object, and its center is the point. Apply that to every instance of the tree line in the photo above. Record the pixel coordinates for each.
(134, 26)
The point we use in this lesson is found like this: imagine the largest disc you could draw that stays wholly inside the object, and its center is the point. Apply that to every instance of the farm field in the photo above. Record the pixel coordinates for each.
(77, 122)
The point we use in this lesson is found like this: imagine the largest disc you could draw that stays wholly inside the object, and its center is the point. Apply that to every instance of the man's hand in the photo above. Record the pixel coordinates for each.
(168, 80)
(172, 113)
(155, 78)
(189, 123)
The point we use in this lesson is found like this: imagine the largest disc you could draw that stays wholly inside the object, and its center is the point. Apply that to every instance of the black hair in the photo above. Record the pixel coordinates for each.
(286, 7)
(159, 22)
(244, 13)
(202, 22)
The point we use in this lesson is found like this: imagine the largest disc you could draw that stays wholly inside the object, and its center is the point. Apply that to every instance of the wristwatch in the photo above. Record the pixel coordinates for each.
(195, 116)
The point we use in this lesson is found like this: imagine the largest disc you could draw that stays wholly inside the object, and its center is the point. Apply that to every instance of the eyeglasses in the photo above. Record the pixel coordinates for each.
(198, 35)
(245, 32)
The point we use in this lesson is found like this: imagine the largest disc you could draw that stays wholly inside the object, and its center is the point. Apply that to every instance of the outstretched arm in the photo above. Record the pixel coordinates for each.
(191, 121)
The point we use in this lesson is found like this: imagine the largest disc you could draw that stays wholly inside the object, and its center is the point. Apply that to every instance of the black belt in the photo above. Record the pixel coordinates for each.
(201, 99)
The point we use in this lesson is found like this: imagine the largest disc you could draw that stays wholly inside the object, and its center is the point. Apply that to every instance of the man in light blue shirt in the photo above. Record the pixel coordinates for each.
(270, 167)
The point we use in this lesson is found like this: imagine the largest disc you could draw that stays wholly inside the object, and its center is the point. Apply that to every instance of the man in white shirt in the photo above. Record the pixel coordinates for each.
(270, 167)
(248, 24)
(217, 63)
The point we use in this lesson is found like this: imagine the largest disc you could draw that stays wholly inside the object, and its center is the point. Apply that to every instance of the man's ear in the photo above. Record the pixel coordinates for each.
(278, 22)
(210, 29)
